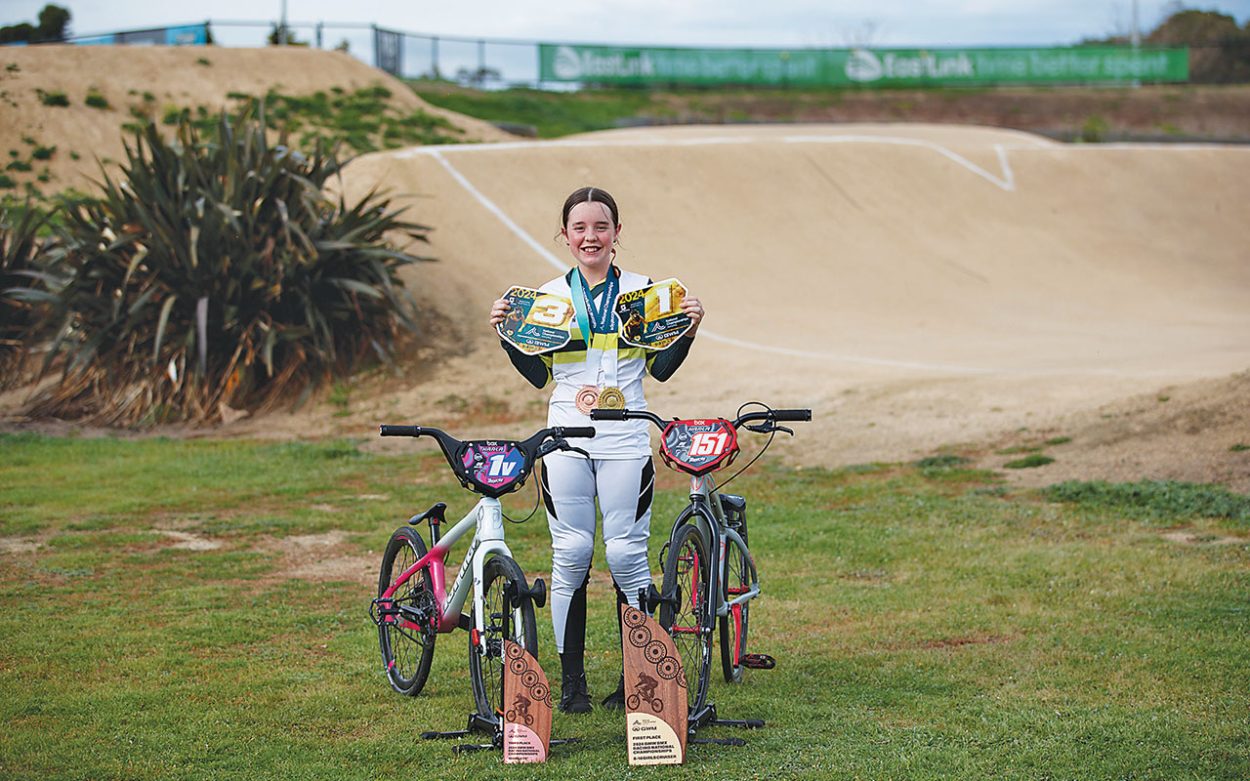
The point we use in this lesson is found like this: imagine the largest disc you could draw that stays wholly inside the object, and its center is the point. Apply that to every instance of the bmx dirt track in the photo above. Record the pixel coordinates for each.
(921, 287)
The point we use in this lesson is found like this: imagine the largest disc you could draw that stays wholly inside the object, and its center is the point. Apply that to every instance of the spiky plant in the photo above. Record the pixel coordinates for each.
(216, 271)
(23, 290)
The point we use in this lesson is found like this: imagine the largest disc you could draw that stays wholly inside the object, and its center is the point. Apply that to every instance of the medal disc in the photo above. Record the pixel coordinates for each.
(587, 398)
(611, 398)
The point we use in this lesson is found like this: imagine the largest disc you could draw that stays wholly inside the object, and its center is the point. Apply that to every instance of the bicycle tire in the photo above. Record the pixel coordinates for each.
(689, 622)
(734, 625)
(486, 671)
(407, 652)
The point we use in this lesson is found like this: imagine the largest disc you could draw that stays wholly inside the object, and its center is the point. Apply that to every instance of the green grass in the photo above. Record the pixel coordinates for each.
(552, 114)
(1031, 461)
(928, 623)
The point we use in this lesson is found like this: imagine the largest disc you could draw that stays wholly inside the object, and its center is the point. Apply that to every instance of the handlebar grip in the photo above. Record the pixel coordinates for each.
(576, 431)
(607, 414)
(400, 431)
(791, 414)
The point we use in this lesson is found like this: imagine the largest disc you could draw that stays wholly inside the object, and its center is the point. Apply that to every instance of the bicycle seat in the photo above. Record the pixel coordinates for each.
(435, 514)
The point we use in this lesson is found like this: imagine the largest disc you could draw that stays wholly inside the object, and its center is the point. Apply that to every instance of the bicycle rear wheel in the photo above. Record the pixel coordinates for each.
(733, 626)
(505, 619)
(687, 580)
(407, 641)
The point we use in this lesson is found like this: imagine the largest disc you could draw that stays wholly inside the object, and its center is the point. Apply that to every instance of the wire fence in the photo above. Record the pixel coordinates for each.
(489, 63)
(495, 63)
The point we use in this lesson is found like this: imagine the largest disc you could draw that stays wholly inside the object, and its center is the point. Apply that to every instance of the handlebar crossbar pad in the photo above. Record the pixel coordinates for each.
(578, 431)
(399, 431)
(607, 414)
(792, 414)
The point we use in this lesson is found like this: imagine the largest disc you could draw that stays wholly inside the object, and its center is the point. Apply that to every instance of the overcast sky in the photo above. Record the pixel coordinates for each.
(763, 23)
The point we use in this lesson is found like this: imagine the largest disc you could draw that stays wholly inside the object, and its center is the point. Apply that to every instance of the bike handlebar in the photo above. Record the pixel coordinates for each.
(771, 415)
(400, 431)
(573, 431)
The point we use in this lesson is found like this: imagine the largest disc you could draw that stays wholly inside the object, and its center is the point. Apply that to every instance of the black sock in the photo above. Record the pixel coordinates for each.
(572, 661)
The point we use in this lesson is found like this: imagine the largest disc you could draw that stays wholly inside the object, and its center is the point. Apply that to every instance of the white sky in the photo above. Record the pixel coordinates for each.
(762, 23)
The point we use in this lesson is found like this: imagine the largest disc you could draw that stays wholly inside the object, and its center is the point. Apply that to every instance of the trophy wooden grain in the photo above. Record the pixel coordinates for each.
(527, 707)
(655, 692)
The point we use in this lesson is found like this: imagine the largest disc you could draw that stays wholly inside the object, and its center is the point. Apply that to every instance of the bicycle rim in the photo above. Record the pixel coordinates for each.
(733, 625)
(688, 621)
(501, 622)
(407, 644)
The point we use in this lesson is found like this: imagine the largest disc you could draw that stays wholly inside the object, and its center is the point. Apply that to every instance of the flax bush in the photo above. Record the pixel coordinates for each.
(215, 271)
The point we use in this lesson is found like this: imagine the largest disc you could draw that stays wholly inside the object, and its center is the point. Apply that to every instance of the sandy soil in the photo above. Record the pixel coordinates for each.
(174, 76)
(922, 288)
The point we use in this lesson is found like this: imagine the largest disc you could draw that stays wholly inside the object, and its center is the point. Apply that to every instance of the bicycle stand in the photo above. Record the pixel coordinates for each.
(706, 716)
(483, 725)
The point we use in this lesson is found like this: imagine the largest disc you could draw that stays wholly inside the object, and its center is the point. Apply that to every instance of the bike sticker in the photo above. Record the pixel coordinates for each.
(493, 464)
(538, 322)
(699, 446)
(652, 317)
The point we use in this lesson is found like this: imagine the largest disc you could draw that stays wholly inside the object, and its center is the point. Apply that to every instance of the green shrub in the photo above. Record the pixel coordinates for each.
(53, 98)
(96, 100)
(216, 271)
(22, 292)
(43, 152)
(1164, 500)
(1029, 462)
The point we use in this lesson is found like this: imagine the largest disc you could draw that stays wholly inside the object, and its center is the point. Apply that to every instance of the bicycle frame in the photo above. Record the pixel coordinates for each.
(486, 521)
(705, 506)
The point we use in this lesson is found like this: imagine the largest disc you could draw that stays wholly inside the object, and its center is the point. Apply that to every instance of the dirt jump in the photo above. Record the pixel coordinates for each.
(923, 288)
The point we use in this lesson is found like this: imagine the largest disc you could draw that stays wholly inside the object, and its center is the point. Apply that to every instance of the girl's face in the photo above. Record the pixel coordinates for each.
(590, 232)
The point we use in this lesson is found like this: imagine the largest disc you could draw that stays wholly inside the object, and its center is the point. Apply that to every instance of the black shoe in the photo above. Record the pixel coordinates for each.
(616, 700)
(574, 694)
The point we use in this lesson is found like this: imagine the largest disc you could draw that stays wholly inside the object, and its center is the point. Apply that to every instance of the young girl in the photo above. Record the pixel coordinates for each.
(590, 370)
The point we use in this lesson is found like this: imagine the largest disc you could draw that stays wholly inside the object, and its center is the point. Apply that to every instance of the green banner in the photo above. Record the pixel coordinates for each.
(868, 67)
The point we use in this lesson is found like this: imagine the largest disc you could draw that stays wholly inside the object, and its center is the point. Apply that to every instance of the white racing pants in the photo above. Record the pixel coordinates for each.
(624, 488)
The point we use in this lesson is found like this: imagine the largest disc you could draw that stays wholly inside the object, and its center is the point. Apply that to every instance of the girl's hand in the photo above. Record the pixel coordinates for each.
(498, 311)
(693, 308)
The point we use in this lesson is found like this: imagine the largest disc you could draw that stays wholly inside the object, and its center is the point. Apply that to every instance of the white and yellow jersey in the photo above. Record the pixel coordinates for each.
(604, 362)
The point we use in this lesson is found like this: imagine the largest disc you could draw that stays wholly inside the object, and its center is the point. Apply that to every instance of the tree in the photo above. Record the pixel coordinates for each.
(1219, 49)
(53, 23)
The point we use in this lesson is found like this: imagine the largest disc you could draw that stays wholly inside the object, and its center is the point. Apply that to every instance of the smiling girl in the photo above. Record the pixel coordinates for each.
(596, 369)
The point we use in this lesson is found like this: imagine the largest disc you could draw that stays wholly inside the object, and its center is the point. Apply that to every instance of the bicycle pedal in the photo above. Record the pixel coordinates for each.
(759, 661)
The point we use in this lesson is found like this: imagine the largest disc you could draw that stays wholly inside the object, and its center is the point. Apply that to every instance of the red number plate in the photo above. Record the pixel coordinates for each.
(699, 446)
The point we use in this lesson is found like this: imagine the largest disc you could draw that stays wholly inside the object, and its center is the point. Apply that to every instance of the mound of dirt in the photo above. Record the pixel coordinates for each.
(148, 78)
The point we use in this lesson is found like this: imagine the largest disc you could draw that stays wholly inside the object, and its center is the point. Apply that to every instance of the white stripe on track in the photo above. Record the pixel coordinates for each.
(562, 267)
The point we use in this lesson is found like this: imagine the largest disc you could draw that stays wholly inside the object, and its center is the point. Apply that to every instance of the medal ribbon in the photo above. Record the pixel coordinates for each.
(591, 320)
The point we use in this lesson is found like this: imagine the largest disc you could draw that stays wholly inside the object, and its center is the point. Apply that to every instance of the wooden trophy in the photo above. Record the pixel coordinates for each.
(526, 707)
(655, 692)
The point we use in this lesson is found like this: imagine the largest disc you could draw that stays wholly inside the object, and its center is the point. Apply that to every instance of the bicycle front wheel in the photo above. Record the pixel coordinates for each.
(688, 616)
(733, 626)
(407, 641)
(504, 619)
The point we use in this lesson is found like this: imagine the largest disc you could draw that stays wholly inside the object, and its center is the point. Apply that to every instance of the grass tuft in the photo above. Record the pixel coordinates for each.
(1159, 500)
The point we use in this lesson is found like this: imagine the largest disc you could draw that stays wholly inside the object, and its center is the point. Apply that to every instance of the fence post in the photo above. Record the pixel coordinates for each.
(434, 57)
(320, 27)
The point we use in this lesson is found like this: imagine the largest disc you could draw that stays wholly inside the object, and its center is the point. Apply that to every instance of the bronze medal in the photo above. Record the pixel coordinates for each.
(586, 399)
(611, 398)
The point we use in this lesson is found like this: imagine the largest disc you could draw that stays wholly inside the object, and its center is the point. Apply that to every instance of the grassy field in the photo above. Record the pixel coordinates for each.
(1151, 113)
(198, 609)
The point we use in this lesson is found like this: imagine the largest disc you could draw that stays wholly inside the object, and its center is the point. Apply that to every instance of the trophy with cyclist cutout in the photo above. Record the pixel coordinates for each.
(655, 692)
(538, 322)
(527, 708)
(652, 317)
